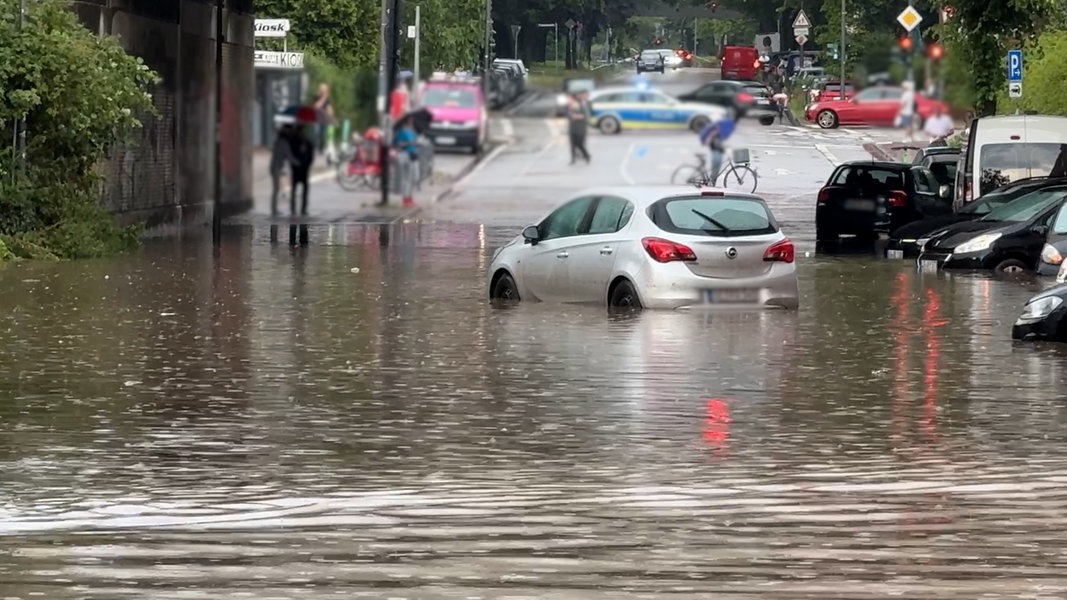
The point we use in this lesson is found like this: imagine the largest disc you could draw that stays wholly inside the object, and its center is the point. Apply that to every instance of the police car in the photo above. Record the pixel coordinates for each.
(638, 107)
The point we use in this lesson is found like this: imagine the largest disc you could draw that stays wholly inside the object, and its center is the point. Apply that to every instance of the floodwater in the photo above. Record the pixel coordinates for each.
(271, 423)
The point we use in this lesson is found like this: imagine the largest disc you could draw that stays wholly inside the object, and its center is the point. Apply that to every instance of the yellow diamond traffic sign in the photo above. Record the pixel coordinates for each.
(909, 18)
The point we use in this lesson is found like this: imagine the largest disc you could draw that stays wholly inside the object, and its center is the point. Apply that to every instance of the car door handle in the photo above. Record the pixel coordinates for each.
(606, 250)
(562, 254)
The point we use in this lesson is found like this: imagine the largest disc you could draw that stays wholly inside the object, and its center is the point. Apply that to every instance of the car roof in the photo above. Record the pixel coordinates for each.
(646, 195)
(625, 88)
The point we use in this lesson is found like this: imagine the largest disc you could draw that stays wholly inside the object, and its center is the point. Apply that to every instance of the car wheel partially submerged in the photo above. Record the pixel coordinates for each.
(504, 289)
(624, 296)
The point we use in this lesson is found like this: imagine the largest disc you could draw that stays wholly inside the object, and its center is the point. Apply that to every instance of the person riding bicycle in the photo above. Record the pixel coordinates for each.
(713, 136)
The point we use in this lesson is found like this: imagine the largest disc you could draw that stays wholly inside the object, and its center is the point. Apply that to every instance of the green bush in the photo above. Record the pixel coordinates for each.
(78, 93)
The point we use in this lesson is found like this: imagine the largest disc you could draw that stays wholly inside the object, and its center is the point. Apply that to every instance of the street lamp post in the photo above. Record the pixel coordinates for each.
(515, 29)
(488, 38)
(555, 36)
(841, 54)
(216, 217)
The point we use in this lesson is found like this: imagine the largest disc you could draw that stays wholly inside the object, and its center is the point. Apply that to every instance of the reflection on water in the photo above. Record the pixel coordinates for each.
(350, 417)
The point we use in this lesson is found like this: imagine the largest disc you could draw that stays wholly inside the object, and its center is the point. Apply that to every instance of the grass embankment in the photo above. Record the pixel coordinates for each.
(550, 75)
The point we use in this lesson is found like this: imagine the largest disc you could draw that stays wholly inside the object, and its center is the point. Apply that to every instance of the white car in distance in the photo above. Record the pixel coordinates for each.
(651, 247)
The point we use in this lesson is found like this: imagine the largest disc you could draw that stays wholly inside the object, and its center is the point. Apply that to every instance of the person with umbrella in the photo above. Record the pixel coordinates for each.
(302, 146)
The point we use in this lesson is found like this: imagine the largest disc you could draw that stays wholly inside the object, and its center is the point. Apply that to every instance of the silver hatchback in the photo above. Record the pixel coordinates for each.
(653, 247)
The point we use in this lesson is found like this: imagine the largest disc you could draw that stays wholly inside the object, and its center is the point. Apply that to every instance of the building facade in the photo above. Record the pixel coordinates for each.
(165, 177)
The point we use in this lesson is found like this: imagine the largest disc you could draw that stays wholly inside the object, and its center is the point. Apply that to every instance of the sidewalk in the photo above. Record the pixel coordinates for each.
(329, 203)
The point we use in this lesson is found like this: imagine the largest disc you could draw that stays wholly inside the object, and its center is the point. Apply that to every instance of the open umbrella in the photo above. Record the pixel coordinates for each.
(420, 120)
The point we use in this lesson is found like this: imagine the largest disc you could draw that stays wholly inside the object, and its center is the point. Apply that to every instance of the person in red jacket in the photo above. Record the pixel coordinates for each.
(400, 101)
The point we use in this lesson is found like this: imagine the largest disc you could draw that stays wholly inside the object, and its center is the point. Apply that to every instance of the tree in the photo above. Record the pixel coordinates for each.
(981, 32)
(49, 205)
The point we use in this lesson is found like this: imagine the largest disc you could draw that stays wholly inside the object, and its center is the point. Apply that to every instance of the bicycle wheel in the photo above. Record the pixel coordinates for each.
(740, 177)
(688, 175)
(348, 181)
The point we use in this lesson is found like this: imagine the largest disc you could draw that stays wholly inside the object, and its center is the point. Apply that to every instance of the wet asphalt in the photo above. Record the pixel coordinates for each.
(351, 419)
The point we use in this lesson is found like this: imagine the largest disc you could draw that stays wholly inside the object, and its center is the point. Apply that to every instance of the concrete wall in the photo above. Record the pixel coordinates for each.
(166, 177)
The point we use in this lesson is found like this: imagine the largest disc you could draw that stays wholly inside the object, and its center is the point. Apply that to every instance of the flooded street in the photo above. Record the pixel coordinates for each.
(353, 420)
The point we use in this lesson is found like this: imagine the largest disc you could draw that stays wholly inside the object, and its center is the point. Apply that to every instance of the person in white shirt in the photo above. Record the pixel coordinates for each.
(907, 108)
(939, 125)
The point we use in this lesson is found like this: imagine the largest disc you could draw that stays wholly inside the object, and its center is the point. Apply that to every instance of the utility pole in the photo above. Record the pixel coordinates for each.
(841, 53)
(392, 48)
(488, 39)
(418, 38)
(216, 217)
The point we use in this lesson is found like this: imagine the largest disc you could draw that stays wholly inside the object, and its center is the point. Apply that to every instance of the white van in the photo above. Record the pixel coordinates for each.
(1005, 149)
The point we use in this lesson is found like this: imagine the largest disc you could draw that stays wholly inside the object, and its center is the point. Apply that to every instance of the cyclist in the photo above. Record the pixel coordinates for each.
(713, 136)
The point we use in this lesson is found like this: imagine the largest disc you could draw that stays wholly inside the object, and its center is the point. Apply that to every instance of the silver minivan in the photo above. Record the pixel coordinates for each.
(1009, 148)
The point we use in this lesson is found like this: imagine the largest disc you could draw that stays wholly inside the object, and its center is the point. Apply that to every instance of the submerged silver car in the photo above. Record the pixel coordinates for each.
(654, 247)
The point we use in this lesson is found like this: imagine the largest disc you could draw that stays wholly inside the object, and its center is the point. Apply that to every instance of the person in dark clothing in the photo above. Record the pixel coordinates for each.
(578, 113)
(281, 160)
(303, 155)
(1059, 168)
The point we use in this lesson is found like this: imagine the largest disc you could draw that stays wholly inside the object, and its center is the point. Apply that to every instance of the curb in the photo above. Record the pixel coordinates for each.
(877, 153)
(445, 192)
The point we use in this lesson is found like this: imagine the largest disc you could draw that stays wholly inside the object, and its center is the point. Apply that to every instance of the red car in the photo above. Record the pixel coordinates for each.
(874, 106)
(831, 90)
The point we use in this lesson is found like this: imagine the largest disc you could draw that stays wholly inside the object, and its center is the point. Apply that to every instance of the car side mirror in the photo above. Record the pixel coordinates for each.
(532, 235)
(944, 192)
(1041, 230)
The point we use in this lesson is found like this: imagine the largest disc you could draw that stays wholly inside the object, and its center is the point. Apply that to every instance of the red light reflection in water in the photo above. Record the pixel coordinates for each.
(902, 303)
(902, 336)
(717, 425)
(931, 321)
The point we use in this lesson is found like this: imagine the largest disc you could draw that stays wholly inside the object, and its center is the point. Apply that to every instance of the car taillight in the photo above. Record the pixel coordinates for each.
(967, 192)
(898, 199)
(689, 57)
(1050, 255)
(743, 97)
(666, 251)
(824, 195)
(782, 251)
(755, 64)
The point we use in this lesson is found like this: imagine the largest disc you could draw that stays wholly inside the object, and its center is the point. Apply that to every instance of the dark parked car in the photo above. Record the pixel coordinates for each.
(867, 198)
(1044, 317)
(1007, 240)
(905, 242)
(748, 98)
(651, 60)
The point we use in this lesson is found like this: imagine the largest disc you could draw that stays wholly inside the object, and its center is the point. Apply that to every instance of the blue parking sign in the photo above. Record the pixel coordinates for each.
(1015, 65)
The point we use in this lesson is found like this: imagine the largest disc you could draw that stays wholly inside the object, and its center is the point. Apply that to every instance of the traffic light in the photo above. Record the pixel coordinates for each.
(935, 51)
(905, 44)
(658, 42)
(712, 6)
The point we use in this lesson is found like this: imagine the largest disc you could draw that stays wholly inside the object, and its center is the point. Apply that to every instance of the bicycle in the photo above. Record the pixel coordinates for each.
(734, 175)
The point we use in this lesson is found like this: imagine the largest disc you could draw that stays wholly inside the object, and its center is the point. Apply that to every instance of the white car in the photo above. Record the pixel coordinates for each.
(651, 247)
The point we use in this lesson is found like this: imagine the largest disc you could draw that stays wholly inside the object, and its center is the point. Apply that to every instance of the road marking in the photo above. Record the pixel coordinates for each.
(626, 161)
(530, 97)
(481, 165)
(552, 142)
(829, 155)
(323, 176)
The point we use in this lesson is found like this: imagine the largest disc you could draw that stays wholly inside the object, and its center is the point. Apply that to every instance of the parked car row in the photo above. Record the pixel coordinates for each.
(507, 81)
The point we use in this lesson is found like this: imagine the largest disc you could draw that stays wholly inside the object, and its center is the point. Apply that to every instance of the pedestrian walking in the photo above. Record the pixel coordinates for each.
(906, 114)
(281, 160)
(303, 156)
(578, 113)
(405, 141)
(323, 115)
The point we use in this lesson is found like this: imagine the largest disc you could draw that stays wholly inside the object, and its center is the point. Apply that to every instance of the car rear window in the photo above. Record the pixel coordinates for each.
(1012, 161)
(457, 97)
(713, 216)
(855, 175)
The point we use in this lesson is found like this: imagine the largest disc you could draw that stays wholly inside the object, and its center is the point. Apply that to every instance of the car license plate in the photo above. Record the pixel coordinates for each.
(446, 140)
(859, 204)
(731, 296)
(929, 266)
(894, 254)
(762, 101)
